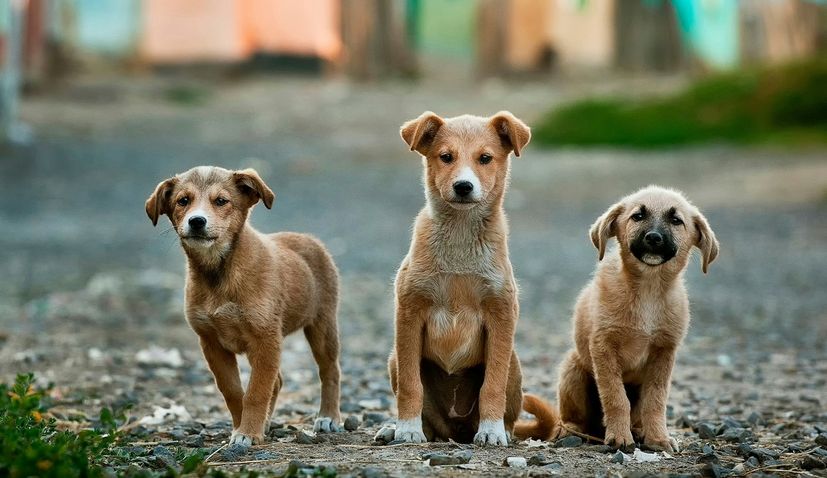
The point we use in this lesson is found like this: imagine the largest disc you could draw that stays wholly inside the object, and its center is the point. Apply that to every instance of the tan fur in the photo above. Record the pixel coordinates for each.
(246, 290)
(453, 365)
(628, 324)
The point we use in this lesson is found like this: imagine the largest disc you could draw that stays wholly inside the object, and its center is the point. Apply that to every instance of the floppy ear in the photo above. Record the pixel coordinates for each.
(705, 241)
(604, 228)
(513, 133)
(419, 133)
(158, 202)
(251, 184)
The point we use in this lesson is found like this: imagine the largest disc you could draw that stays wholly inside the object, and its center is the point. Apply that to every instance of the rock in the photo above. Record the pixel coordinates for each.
(385, 435)
(234, 452)
(373, 418)
(164, 456)
(515, 462)
(157, 356)
(756, 420)
(621, 458)
(764, 455)
(174, 413)
(538, 459)
(744, 450)
(736, 435)
(643, 457)
(809, 462)
(194, 441)
(820, 452)
(708, 458)
(599, 448)
(571, 441)
(352, 423)
(707, 431)
(457, 458)
(752, 462)
(265, 455)
(683, 421)
(350, 407)
(711, 470)
(372, 472)
(740, 469)
(821, 439)
(303, 438)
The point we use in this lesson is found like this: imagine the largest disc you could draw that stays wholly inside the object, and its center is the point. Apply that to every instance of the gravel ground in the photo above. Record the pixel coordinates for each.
(94, 299)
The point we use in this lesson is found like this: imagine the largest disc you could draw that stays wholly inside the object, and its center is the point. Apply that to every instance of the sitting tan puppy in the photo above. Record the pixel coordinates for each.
(245, 290)
(453, 368)
(631, 318)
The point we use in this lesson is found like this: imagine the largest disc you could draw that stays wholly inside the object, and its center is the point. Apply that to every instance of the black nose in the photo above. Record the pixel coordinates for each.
(463, 188)
(197, 222)
(653, 238)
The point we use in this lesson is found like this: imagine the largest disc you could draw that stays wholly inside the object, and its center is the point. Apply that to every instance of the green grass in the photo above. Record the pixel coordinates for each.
(786, 105)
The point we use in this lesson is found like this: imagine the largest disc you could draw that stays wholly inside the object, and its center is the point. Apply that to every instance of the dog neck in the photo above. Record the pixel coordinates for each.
(214, 266)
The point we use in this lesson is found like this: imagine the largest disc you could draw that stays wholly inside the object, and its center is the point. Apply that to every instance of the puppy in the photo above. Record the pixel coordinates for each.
(631, 318)
(453, 368)
(245, 290)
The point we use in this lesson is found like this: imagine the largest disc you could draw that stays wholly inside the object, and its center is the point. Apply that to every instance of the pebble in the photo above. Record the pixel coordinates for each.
(265, 455)
(821, 439)
(303, 438)
(164, 456)
(373, 418)
(539, 459)
(234, 452)
(756, 420)
(712, 470)
(708, 458)
(194, 441)
(457, 458)
(621, 458)
(811, 463)
(736, 435)
(570, 441)
(372, 472)
(516, 462)
(352, 423)
(385, 435)
(707, 431)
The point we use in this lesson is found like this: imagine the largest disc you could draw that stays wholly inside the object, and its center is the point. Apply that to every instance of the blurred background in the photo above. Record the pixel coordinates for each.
(101, 100)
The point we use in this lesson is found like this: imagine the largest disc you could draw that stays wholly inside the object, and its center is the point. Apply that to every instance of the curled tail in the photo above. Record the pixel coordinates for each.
(547, 419)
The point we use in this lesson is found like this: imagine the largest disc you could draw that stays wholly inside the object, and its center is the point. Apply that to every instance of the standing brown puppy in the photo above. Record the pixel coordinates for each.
(631, 318)
(245, 290)
(453, 368)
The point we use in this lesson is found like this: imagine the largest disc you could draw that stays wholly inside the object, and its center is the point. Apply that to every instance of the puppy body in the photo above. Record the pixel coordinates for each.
(453, 368)
(245, 290)
(631, 318)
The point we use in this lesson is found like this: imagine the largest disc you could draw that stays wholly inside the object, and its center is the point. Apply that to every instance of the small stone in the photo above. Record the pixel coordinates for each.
(707, 431)
(457, 458)
(194, 441)
(350, 407)
(740, 469)
(736, 435)
(708, 458)
(821, 439)
(516, 462)
(352, 423)
(303, 438)
(164, 456)
(372, 472)
(744, 449)
(538, 459)
(756, 420)
(599, 448)
(764, 455)
(752, 462)
(621, 458)
(234, 452)
(711, 470)
(571, 441)
(385, 435)
(683, 421)
(820, 452)
(811, 463)
(265, 455)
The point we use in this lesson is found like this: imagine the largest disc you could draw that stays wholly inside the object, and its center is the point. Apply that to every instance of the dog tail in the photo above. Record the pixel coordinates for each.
(546, 419)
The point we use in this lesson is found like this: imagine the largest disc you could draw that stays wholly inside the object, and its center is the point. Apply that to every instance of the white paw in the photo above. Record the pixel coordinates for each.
(491, 432)
(239, 439)
(326, 425)
(409, 431)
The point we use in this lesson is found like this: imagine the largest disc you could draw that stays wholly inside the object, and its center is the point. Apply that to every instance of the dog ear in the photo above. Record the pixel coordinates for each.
(251, 184)
(706, 241)
(158, 202)
(604, 228)
(419, 133)
(513, 133)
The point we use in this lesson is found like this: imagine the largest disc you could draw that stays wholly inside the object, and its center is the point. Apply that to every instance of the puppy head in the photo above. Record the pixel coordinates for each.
(467, 157)
(655, 227)
(208, 205)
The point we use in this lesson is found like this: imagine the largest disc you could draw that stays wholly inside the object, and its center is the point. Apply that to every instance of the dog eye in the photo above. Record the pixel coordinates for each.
(485, 158)
(676, 221)
(446, 157)
(221, 202)
(638, 216)
(183, 201)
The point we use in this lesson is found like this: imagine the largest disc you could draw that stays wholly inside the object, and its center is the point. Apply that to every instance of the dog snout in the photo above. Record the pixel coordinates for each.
(197, 223)
(463, 188)
(653, 238)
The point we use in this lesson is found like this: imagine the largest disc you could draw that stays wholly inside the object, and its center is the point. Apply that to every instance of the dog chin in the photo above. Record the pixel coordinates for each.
(652, 259)
(463, 205)
(199, 242)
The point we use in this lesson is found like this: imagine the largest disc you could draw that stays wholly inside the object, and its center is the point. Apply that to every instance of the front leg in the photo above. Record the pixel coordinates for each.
(654, 393)
(224, 368)
(264, 357)
(408, 346)
(616, 408)
(500, 320)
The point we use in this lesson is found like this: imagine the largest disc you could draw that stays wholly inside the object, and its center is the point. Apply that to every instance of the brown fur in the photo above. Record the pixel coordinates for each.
(246, 290)
(629, 322)
(453, 368)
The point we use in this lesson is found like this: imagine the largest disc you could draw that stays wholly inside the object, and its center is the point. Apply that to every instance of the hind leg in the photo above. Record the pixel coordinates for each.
(513, 393)
(573, 396)
(323, 337)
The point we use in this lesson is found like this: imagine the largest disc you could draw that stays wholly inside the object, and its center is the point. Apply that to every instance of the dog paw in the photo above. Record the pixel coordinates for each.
(326, 425)
(409, 431)
(620, 439)
(491, 432)
(245, 440)
(662, 444)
